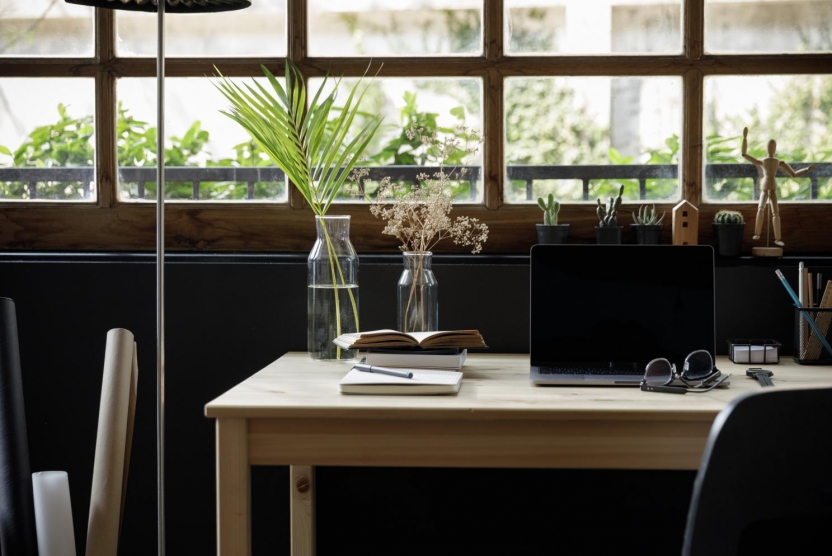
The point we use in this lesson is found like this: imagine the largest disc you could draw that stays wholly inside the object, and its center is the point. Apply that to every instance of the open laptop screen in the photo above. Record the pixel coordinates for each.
(627, 304)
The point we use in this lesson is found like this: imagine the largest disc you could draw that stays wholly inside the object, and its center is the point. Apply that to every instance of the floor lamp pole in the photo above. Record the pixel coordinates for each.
(160, 275)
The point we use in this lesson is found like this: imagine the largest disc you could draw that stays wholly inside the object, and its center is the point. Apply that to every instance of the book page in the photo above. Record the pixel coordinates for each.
(422, 336)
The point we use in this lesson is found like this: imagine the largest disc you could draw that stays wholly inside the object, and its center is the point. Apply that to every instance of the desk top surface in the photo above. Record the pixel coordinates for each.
(494, 386)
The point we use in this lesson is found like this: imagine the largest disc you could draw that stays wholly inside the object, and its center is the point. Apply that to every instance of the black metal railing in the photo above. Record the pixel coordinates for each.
(587, 173)
(528, 174)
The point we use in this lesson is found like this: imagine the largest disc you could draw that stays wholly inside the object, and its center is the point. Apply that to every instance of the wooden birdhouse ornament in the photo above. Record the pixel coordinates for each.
(685, 224)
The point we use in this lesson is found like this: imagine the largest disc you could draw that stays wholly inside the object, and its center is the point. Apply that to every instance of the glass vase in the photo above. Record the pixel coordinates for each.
(332, 292)
(418, 294)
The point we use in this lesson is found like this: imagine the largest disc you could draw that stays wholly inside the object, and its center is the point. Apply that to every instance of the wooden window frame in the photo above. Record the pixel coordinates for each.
(111, 225)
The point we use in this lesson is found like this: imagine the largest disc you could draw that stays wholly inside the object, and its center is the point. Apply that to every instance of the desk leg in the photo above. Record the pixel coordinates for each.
(233, 489)
(302, 486)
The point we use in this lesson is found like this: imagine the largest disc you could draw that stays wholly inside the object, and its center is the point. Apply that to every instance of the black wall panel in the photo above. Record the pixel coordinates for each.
(229, 316)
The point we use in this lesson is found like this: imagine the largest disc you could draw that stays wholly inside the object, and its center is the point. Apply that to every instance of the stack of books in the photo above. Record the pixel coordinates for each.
(408, 363)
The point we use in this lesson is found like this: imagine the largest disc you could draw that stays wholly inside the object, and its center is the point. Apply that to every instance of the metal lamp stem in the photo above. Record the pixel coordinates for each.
(160, 276)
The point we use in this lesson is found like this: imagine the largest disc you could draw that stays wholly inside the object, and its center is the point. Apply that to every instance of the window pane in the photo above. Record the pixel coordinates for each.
(794, 110)
(47, 143)
(768, 26)
(45, 28)
(596, 27)
(209, 157)
(259, 30)
(437, 106)
(582, 137)
(403, 28)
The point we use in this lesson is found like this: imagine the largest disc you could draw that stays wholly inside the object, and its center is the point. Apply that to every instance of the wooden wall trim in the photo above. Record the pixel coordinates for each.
(269, 228)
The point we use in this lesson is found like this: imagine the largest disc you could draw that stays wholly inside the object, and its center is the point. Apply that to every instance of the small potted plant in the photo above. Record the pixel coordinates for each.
(608, 231)
(729, 226)
(647, 226)
(550, 232)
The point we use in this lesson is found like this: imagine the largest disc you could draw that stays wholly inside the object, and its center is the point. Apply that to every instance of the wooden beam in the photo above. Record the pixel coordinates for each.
(493, 113)
(451, 66)
(106, 151)
(692, 107)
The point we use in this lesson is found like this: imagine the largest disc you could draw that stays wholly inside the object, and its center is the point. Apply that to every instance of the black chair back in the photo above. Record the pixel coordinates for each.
(765, 482)
(17, 514)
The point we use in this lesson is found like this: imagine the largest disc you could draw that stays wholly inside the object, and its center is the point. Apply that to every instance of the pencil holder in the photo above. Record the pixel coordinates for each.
(808, 346)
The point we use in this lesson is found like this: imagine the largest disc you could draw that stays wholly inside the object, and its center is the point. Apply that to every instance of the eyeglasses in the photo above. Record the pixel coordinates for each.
(698, 374)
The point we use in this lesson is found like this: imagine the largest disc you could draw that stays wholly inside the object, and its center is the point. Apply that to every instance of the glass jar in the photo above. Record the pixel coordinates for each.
(418, 294)
(332, 289)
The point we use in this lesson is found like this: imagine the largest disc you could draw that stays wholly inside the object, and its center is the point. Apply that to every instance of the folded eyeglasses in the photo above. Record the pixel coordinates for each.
(698, 375)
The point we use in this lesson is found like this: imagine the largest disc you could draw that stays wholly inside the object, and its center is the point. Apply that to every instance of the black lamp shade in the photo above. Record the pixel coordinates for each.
(173, 6)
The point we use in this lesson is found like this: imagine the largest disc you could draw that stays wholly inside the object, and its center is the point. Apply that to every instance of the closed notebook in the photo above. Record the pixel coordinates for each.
(450, 358)
(424, 381)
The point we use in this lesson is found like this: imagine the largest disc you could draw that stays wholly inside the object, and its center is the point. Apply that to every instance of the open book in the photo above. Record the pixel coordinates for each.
(424, 381)
(394, 338)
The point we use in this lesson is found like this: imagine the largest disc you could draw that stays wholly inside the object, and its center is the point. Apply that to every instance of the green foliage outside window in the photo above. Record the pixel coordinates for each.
(69, 143)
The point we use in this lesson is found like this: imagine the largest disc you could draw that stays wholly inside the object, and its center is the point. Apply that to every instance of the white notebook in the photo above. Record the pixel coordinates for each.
(424, 381)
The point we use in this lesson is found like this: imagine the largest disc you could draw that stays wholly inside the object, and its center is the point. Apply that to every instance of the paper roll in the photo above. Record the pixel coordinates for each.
(112, 444)
(53, 514)
(17, 516)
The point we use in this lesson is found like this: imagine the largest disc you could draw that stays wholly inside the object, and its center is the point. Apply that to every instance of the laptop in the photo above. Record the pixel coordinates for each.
(600, 313)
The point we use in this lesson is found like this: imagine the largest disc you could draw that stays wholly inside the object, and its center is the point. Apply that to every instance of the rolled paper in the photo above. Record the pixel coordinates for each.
(53, 514)
(17, 517)
(111, 445)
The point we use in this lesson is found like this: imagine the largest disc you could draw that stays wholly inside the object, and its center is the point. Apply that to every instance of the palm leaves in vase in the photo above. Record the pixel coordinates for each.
(316, 153)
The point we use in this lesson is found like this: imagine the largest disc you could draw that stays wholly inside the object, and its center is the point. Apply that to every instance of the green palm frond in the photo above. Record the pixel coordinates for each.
(316, 154)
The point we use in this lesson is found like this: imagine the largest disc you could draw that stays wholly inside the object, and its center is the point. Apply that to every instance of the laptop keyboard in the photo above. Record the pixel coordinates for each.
(586, 370)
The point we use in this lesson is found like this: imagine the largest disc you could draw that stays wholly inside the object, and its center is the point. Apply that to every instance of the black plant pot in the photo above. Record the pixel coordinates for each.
(729, 239)
(608, 235)
(647, 234)
(552, 234)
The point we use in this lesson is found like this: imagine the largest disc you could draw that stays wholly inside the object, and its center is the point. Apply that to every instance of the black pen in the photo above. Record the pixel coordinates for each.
(382, 370)
(818, 288)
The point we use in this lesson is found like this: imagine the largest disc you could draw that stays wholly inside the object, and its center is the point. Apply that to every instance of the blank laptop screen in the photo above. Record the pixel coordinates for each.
(620, 303)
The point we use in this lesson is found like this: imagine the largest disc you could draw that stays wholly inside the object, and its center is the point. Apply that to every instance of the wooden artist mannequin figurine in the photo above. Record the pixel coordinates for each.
(768, 185)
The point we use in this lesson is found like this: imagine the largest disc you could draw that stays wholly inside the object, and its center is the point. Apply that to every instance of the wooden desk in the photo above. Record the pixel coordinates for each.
(291, 413)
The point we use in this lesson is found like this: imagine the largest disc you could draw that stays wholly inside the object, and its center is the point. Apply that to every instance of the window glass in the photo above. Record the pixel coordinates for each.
(447, 109)
(402, 28)
(794, 110)
(47, 141)
(582, 137)
(45, 28)
(596, 27)
(768, 26)
(259, 30)
(208, 156)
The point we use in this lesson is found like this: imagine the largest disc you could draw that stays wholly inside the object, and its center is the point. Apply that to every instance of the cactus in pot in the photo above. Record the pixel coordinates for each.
(608, 216)
(647, 218)
(729, 217)
(551, 232)
(550, 209)
(729, 227)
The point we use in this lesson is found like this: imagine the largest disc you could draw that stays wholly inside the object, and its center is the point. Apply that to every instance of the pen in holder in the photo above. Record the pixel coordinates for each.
(808, 346)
